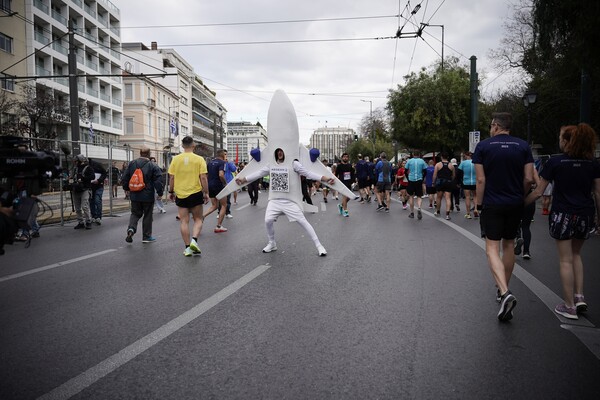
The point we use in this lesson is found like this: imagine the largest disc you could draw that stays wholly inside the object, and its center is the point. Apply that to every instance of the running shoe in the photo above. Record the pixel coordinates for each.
(229, 216)
(457, 208)
(194, 246)
(526, 256)
(379, 208)
(567, 312)
(431, 206)
(404, 206)
(188, 252)
(498, 296)
(220, 229)
(580, 303)
(387, 210)
(340, 209)
(129, 237)
(468, 216)
(475, 214)
(321, 250)
(448, 217)
(325, 199)
(419, 215)
(518, 246)
(411, 215)
(148, 239)
(436, 214)
(507, 303)
(346, 214)
(271, 246)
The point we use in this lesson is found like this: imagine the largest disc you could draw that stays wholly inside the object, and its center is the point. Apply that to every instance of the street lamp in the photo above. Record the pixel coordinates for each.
(371, 133)
(529, 98)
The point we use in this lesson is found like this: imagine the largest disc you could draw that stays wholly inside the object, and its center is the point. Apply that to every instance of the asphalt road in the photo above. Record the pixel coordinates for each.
(399, 309)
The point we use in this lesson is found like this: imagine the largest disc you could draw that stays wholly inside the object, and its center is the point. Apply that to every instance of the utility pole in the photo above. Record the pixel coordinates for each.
(73, 92)
(474, 94)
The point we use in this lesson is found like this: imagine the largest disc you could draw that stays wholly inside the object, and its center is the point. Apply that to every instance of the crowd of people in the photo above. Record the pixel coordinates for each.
(499, 183)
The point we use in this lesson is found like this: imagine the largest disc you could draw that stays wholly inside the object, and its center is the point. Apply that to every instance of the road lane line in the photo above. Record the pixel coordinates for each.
(58, 264)
(97, 372)
(580, 328)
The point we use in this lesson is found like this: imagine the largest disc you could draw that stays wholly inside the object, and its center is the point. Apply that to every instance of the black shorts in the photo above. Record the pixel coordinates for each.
(363, 183)
(565, 226)
(384, 186)
(214, 190)
(430, 190)
(469, 187)
(444, 185)
(415, 188)
(500, 222)
(191, 201)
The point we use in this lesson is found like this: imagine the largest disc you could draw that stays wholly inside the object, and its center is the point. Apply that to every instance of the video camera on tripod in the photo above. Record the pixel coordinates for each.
(21, 171)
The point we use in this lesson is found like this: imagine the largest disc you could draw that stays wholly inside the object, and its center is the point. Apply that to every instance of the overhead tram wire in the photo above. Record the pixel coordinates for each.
(260, 22)
(279, 42)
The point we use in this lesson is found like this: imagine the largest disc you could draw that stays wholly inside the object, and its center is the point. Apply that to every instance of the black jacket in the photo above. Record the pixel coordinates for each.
(152, 180)
(98, 169)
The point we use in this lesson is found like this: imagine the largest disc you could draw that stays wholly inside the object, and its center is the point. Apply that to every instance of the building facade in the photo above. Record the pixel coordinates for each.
(332, 142)
(243, 137)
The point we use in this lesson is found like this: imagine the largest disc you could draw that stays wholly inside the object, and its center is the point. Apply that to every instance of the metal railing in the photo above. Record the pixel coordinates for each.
(41, 6)
(60, 48)
(57, 16)
(41, 38)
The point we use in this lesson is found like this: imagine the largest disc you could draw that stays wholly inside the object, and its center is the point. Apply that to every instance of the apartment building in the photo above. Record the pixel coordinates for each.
(332, 142)
(171, 102)
(242, 137)
(97, 45)
(12, 33)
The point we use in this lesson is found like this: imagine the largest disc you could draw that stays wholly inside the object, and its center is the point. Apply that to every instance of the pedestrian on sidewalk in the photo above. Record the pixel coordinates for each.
(576, 176)
(142, 201)
(504, 170)
(158, 202)
(115, 178)
(81, 181)
(97, 186)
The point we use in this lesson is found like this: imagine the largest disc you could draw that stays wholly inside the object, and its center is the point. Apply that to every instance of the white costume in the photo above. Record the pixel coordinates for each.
(285, 191)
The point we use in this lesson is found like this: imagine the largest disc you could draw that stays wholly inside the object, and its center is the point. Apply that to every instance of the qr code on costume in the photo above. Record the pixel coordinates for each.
(280, 182)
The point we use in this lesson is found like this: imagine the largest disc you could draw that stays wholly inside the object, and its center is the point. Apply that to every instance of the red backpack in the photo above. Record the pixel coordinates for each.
(136, 182)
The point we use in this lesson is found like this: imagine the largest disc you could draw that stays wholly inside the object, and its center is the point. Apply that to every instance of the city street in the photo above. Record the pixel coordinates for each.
(398, 309)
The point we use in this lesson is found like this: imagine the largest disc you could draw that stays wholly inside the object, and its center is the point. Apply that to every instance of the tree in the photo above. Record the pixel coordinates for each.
(42, 112)
(376, 126)
(431, 111)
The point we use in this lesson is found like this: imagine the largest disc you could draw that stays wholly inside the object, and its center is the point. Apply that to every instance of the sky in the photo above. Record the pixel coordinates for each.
(331, 81)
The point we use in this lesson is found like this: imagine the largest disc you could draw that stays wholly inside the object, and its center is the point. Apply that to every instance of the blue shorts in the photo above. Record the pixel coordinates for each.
(565, 226)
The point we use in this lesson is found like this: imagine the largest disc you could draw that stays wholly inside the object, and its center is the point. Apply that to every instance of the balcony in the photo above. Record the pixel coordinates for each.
(105, 121)
(62, 81)
(60, 48)
(91, 91)
(79, 59)
(116, 78)
(41, 6)
(117, 124)
(116, 102)
(40, 71)
(89, 10)
(103, 21)
(92, 65)
(116, 30)
(89, 36)
(78, 2)
(39, 37)
(57, 16)
(115, 54)
(80, 88)
(105, 97)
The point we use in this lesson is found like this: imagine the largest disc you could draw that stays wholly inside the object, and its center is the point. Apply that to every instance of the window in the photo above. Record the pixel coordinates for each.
(6, 43)
(5, 5)
(150, 124)
(128, 91)
(128, 124)
(8, 84)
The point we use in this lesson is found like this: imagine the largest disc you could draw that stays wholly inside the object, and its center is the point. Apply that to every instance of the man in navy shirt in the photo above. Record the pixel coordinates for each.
(504, 170)
(216, 183)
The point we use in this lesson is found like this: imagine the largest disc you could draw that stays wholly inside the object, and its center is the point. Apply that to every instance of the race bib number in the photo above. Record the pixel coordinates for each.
(347, 176)
(280, 180)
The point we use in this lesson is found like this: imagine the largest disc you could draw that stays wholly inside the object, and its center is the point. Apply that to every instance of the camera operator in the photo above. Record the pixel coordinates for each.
(100, 174)
(8, 226)
(81, 181)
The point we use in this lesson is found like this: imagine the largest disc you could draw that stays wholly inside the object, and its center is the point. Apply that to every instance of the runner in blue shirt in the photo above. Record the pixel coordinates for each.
(417, 168)
(468, 182)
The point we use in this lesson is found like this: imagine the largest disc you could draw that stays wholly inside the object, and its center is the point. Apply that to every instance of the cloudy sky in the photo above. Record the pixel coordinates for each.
(330, 60)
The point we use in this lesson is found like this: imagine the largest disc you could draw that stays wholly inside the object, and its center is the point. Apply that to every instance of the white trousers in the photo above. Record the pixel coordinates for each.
(277, 207)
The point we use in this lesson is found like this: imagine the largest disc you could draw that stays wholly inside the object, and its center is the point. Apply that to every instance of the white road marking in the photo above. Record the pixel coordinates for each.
(97, 372)
(58, 264)
(582, 328)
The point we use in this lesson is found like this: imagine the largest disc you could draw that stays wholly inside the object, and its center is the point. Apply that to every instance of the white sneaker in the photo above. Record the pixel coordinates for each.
(228, 216)
(271, 246)
(163, 211)
(194, 246)
(188, 252)
(321, 250)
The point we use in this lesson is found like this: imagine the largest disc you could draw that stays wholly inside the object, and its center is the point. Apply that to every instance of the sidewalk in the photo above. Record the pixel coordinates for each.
(50, 212)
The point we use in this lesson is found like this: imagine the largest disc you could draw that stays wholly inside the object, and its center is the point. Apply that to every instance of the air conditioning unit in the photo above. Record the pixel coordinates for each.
(151, 103)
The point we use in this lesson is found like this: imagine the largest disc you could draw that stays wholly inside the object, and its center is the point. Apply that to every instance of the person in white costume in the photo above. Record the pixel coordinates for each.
(285, 159)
